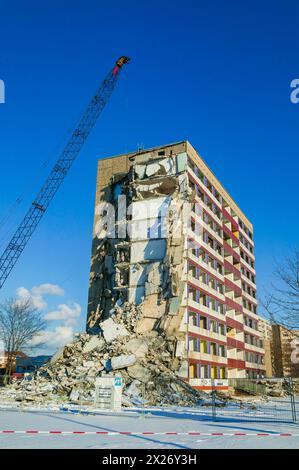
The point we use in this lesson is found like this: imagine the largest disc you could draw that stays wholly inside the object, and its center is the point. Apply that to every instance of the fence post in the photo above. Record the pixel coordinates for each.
(214, 415)
(293, 402)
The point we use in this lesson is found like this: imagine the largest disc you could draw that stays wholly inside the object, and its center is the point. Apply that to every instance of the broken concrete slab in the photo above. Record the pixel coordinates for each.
(137, 346)
(93, 343)
(139, 372)
(112, 330)
(122, 361)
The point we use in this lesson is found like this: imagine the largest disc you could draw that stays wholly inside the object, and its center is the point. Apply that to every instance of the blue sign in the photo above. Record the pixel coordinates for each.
(118, 382)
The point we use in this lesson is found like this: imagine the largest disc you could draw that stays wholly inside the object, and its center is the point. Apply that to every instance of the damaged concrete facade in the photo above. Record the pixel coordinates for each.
(170, 243)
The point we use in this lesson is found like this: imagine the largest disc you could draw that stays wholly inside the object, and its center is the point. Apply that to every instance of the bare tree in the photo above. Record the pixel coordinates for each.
(282, 304)
(19, 323)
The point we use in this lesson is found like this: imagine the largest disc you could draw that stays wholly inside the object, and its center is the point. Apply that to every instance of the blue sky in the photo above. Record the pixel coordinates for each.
(215, 73)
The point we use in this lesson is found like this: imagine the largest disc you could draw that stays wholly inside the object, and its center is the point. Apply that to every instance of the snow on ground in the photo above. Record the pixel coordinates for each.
(157, 419)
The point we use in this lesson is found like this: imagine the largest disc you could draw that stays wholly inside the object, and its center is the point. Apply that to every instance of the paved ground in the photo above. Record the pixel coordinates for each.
(154, 420)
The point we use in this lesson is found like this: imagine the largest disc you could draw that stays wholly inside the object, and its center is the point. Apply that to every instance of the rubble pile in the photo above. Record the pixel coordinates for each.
(146, 362)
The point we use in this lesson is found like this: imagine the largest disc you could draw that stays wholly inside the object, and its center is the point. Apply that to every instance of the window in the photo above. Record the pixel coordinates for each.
(221, 309)
(213, 349)
(213, 326)
(213, 304)
(204, 372)
(203, 299)
(193, 318)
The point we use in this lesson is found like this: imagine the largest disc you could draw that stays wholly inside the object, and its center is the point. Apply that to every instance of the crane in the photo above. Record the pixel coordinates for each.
(61, 168)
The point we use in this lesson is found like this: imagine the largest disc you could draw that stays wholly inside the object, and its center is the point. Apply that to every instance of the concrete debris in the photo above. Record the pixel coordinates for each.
(93, 343)
(112, 330)
(146, 362)
(122, 361)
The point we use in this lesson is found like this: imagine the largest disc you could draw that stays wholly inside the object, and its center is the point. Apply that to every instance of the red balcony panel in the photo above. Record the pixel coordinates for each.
(234, 343)
(235, 363)
(233, 286)
(234, 324)
(231, 268)
(232, 304)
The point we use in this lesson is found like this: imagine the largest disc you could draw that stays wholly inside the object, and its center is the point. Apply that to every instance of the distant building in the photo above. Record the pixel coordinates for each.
(283, 346)
(3, 360)
(265, 329)
(280, 344)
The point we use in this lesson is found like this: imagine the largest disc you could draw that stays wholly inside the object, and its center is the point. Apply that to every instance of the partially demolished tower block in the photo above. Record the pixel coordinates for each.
(170, 241)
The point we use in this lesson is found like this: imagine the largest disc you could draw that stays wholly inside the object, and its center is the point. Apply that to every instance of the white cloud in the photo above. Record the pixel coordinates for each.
(37, 293)
(47, 289)
(56, 338)
(66, 313)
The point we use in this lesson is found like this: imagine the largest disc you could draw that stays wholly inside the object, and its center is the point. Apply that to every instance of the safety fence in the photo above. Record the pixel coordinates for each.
(267, 400)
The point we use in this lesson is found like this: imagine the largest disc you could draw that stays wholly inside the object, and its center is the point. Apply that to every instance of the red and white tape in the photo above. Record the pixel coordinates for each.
(148, 433)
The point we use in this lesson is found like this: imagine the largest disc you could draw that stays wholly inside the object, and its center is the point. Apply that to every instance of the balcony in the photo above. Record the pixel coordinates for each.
(230, 234)
(199, 241)
(251, 314)
(249, 297)
(206, 267)
(205, 288)
(236, 363)
(204, 187)
(199, 308)
(234, 324)
(206, 333)
(232, 304)
(247, 266)
(234, 343)
(243, 247)
(252, 331)
(230, 268)
(252, 348)
(253, 365)
(228, 216)
(207, 227)
(246, 279)
(232, 286)
(199, 356)
(208, 210)
(246, 236)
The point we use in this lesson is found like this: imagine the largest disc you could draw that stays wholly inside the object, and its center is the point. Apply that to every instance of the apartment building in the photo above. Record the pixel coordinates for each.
(187, 261)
